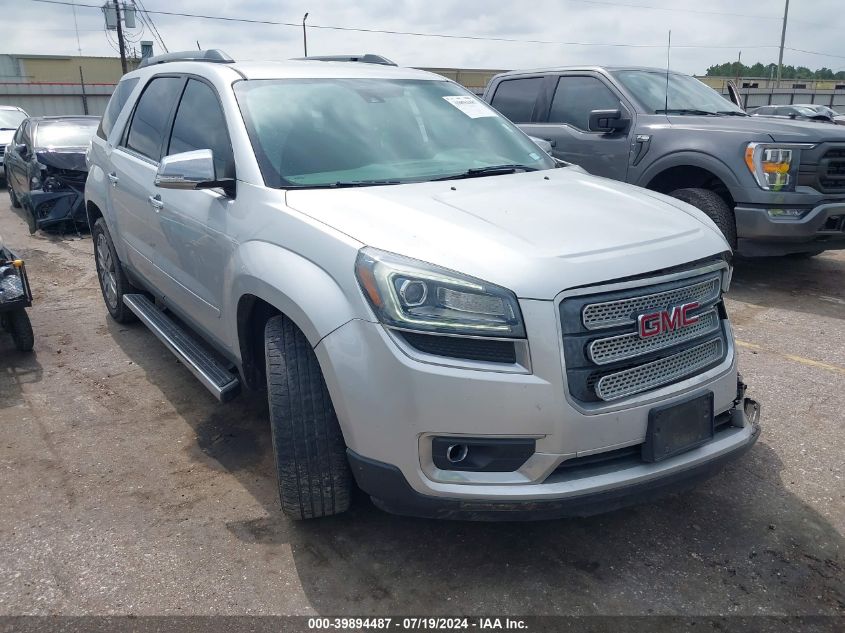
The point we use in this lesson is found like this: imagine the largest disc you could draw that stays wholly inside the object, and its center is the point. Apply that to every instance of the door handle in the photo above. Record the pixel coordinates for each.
(113, 179)
(156, 202)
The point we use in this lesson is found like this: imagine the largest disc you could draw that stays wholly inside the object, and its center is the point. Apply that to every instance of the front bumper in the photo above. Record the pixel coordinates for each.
(51, 208)
(391, 406)
(759, 234)
(584, 496)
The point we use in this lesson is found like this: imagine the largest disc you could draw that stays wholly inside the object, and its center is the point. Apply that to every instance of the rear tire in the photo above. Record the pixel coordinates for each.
(113, 281)
(313, 471)
(712, 204)
(21, 330)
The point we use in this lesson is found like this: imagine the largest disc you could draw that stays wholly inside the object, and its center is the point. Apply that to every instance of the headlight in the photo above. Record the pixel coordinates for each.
(413, 295)
(775, 165)
(51, 183)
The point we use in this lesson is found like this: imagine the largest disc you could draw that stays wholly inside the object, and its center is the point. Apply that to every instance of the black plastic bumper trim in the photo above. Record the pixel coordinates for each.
(391, 492)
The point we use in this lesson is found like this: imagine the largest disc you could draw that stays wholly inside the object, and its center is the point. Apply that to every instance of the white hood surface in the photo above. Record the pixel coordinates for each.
(536, 233)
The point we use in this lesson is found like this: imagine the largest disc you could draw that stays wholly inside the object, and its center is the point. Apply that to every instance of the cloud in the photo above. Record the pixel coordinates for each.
(48, 29)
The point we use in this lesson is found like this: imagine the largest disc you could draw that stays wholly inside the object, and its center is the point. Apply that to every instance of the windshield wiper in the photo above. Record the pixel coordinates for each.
(731, 113)
(8, 129)
(342, 184)
(686, 111)
(490, 170)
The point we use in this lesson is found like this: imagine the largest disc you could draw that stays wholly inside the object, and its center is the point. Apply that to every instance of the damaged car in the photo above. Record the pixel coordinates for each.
(46, 171)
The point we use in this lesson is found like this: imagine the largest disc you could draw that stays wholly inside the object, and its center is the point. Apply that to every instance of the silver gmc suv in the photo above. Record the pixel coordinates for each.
(438, 310)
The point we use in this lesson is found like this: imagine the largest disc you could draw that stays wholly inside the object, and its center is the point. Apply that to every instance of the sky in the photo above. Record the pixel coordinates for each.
(703, 33)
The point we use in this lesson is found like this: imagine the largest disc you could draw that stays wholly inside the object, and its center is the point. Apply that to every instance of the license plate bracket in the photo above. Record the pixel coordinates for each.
(679, 427)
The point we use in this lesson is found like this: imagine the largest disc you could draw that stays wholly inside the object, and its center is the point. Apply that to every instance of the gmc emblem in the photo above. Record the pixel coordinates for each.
(654, 323)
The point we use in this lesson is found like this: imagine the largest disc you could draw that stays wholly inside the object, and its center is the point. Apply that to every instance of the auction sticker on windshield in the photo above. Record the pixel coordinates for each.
(473, 108)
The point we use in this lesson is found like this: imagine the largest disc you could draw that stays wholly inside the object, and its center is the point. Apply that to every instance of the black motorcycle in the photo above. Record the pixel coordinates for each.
(15, 298)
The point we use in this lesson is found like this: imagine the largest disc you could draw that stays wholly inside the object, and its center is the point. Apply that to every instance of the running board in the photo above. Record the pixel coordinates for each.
(211, 372)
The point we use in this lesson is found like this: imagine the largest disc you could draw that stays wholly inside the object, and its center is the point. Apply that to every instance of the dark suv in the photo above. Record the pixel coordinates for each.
(773, 187)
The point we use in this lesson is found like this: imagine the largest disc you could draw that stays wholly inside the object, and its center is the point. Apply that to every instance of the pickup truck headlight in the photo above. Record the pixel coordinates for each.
(775, 165)
(413, 295)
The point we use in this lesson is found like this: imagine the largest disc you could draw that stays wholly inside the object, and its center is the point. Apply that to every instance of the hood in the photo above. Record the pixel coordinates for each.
(73, 159)
(535, 233)
(6, 136)
(779, 130)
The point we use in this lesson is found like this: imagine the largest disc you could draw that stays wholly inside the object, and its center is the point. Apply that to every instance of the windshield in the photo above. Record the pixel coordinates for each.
(324, 132)
(76, 133)
(685, 93)
(11, 119)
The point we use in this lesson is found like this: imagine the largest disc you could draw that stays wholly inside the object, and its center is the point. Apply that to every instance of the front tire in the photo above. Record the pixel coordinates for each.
(714, 206)
(21, 330)
(313, 471)
(113, 281)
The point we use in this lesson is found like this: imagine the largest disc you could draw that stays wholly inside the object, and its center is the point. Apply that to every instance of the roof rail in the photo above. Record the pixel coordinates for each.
(366, 58)
(213, 55)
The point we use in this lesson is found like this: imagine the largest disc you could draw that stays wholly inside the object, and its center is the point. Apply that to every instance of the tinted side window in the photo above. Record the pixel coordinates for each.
(576, 97)
(116, 103)
(151, 116)
(515, 98)
(200, 124)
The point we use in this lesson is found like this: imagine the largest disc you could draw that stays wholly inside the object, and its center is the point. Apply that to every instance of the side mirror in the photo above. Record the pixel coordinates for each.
(607, 121)
(792, 115)
(188, 170)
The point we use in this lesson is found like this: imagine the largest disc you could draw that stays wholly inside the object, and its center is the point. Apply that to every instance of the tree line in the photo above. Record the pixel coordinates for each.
(738, 69)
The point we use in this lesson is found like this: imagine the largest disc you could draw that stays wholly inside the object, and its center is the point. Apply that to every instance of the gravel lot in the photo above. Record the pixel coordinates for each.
(126, 488)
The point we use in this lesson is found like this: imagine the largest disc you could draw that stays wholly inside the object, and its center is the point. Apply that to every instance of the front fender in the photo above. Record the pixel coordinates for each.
(95, 192)
(317, 300)
(714, 165)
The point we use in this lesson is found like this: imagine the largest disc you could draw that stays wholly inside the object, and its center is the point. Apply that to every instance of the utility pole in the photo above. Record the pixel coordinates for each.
(304, 35)
(782, 40)
(120, 42)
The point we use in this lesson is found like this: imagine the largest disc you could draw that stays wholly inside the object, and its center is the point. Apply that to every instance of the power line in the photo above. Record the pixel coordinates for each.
(448, 36)
(145, 16)
(675, 10)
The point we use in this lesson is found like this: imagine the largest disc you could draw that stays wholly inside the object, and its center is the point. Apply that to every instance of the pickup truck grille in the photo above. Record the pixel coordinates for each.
(832, 170)
(607, 360)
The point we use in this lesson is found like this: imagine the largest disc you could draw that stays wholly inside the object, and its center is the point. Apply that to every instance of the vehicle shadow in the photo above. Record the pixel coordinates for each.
(16, 369)
(741, 542)
(811, 286)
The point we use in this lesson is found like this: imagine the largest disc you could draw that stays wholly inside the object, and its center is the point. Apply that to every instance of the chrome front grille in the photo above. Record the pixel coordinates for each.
(624, 311)
(606, 358)
(659, 372)
(615, 348)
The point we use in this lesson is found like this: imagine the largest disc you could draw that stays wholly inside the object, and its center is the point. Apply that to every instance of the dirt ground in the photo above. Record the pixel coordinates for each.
(127, 489)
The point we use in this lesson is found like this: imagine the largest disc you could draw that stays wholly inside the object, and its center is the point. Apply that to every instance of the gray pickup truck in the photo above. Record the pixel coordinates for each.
(773, 187)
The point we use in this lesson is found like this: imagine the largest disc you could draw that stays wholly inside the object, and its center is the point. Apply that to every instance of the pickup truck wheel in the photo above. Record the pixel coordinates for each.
(714, 207)
(113, 281)
(313, 472)
(21, 330)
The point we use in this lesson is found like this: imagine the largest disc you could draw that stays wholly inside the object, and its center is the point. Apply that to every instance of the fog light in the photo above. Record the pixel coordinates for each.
(787, 214)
